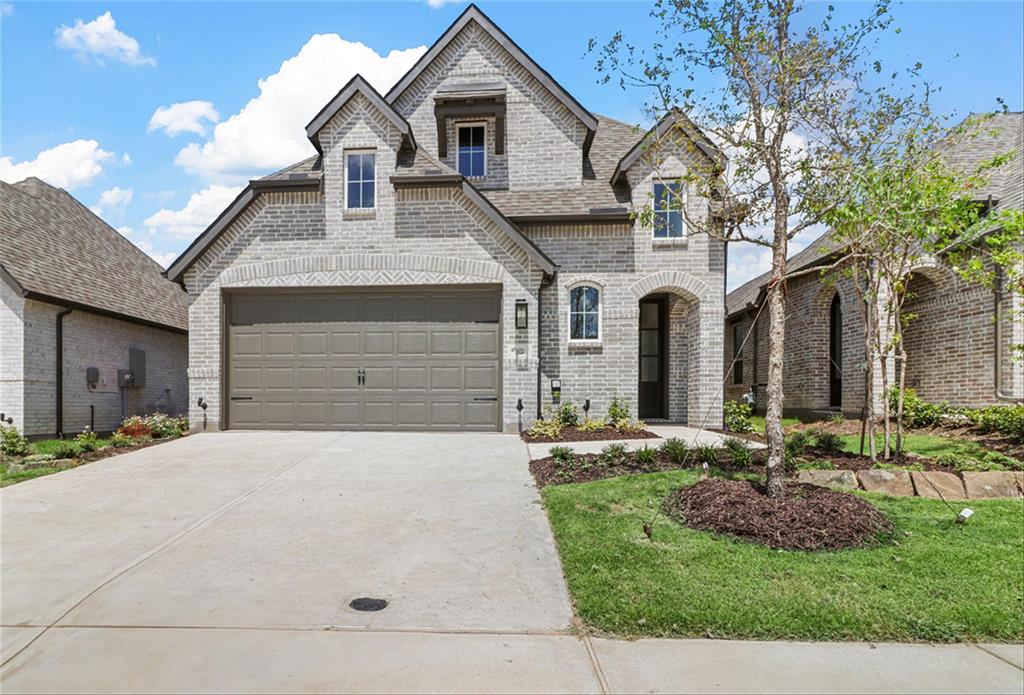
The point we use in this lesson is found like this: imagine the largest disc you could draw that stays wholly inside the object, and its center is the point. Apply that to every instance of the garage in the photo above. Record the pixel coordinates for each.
(402, 359)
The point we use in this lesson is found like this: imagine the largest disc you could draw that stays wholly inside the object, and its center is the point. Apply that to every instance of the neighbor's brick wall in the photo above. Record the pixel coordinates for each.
(91, 340)
(544, 140)
(413, 237)
(12, 355)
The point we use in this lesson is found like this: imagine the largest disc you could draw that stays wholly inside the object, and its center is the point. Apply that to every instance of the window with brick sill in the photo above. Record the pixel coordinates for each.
(360, 182)
(472, 150)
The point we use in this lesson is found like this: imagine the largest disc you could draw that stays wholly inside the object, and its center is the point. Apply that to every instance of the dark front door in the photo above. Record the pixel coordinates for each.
(653, 352)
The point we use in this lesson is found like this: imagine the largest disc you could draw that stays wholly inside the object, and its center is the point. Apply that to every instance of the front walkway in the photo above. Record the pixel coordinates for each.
(226, 562)
(691, 435)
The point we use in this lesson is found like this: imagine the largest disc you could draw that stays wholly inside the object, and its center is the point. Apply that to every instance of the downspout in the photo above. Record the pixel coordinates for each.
(60, 370)
(997, 386)
(545, 281)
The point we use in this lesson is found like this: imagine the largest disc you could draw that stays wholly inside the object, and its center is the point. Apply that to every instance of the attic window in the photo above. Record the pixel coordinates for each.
(360, 184)
(472, 153)
(668, 210)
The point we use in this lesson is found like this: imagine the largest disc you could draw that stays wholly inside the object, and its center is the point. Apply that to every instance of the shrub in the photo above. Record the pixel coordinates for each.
(568, 415)
(120, 441)
(916, 412)
(837, 418)
(1007, 462)
(968, 464)
(739, 451)
(827, 441)
(88, 441)
(904, 466)
(67, 449)
(1004, 419)
(706, 454)
(736, 416)
(591, 426)
(134, 427)
(815, 465)
(675, 450)
(563, 456)
(12, 443)
(646, 456)
(615, 455)
(618, 410)
(796, 443)
(628, 425)
(162, 425)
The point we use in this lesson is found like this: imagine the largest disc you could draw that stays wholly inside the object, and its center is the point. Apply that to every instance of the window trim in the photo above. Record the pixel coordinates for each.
(682, 194)
(360, 151)
(600, 313)
(471, 124)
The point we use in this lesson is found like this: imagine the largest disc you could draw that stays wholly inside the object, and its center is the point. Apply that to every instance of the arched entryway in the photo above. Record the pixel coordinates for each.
(835, 353)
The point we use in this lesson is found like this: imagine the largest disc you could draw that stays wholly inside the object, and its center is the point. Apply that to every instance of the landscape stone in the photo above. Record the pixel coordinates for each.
(1019, 476)
(888, 482)
(828, 478)
(938, 485)
(991, 484)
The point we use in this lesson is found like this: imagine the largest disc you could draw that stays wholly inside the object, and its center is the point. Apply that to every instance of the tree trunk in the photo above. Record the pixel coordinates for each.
(869, 380)
(776, 346)
(901, 355)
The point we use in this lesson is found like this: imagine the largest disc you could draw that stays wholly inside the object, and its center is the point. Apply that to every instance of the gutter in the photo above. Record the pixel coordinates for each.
(60, 370)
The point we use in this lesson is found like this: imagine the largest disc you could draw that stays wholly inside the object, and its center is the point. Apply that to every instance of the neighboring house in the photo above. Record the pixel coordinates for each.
(79, 303)
(457, 250)
(957, 350)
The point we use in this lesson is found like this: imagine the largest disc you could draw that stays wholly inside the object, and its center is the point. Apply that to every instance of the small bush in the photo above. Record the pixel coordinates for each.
(706, 454)
(12, 443)
(591, 426)
(615, 455)
(829, 442)
(646, 456)
(67, 449)
(916, 412)
(989, 461)
(904, 466)
(736, 417)
(628, 425)
(837, 418)
(119, 441)
(134, 428)
(88, 441)
(548, 427)
(618, 411)
(739, 451)
(1007, 462)
(568, 415)
(796, 444)
(815, 465)
(563, 456)
(1004, 419)
(675, 450)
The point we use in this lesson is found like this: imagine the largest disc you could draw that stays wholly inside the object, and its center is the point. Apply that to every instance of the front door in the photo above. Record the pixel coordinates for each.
(653, 352)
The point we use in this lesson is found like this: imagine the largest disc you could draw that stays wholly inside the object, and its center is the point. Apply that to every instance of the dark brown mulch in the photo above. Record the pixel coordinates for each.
(574, 434)
(98, 454)
(587, 468)
(808, 518)
(847, 461)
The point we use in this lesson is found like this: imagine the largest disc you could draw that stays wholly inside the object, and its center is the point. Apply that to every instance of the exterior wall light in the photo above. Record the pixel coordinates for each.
(522, 314)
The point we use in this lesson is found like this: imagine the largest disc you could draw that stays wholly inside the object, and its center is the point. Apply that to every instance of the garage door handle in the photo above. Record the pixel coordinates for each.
(486, 398)
(241, 398)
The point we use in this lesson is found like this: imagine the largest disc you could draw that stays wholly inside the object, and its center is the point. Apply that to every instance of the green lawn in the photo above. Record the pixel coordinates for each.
(11, 477)
(938, 582)
(758, 422)
(930, 445)
(47, 446)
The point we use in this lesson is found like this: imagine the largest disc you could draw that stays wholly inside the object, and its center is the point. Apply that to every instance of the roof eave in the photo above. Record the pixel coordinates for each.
(357, 85)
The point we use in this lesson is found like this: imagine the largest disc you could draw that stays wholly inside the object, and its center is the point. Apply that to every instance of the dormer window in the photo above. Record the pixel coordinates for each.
(360, 184)
(668, 210)
(472, 151)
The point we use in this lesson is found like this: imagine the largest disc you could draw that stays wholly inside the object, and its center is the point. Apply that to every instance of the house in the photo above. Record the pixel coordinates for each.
(457, 254)
(90, 330)
(959, 345)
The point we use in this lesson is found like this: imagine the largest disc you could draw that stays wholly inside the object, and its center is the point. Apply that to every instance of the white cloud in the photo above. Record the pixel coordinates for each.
(183, 117)
(111, 198)
(101, 39)
(6, 9)
(437, 4)
(269, 131)
(200, 210)
(68, 165)
(163, 258)
(126, 159)
(126, 231)
(747, 261)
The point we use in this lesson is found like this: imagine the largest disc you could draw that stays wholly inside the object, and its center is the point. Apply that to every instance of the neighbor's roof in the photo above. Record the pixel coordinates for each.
(997, 135)
(57, 250)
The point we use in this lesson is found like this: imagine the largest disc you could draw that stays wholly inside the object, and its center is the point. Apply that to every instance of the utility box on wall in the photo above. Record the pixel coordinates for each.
(137, 367)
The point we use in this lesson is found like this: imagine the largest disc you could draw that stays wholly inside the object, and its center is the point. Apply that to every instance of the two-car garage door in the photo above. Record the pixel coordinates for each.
(410, 360)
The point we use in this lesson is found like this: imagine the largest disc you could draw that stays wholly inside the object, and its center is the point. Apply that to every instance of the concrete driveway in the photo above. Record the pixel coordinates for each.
(276, 531)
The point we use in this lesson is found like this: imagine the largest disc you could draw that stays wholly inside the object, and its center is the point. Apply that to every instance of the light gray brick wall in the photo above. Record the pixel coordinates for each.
(544, 140)
(91, 340)
(12, 355)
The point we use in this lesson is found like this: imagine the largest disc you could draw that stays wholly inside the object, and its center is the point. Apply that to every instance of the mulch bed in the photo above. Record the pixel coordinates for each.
(808, 518)
(90, 456)
(574, 434)
(587, 468)
(854, 462)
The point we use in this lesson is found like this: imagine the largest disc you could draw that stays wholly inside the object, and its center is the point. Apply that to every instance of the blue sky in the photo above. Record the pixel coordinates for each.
(156, 113)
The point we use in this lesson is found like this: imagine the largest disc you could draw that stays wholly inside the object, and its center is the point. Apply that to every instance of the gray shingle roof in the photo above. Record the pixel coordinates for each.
(1001, 134)
(53, 246)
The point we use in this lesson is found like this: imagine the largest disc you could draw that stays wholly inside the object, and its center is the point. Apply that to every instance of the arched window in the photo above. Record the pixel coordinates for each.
(585, 313)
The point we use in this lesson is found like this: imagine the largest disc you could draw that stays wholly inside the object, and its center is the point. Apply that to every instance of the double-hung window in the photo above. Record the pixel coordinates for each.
(668, 210)
(472, 152)
(737, 353)
(584, 313)
(360, 189)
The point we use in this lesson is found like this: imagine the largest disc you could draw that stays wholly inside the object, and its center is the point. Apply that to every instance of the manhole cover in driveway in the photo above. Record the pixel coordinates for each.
(366, 604)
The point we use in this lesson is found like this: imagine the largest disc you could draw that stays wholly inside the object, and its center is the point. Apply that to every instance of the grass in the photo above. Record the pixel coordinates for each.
(930, 445)
(11, 477)
(758, 422)
(937, 581)
(47, 446)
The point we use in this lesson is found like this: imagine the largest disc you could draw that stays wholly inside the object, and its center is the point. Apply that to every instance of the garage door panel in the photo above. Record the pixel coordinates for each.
(390, 359)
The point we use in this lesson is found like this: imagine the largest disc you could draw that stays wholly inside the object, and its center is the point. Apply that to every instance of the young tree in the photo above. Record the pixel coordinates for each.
(789, 95)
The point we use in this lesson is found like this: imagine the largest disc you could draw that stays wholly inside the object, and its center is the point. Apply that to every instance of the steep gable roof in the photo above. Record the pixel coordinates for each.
(357, 85)
(474, 14)
(58, 250)
(673, 119)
